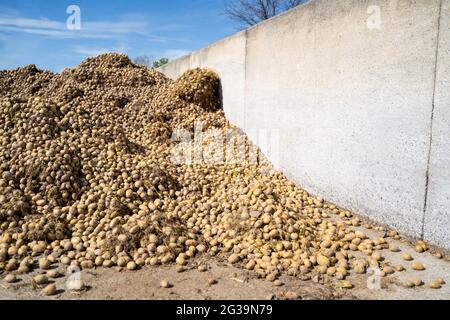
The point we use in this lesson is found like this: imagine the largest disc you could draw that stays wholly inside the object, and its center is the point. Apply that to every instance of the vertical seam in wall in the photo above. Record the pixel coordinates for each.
(244, 122)
(427, 177)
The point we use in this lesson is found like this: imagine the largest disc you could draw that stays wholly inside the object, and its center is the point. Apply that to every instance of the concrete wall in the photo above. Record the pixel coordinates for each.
(437, 217)
(350, 104)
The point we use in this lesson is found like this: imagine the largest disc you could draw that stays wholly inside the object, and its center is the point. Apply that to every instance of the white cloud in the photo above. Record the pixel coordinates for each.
(173, 54)
(89, 29)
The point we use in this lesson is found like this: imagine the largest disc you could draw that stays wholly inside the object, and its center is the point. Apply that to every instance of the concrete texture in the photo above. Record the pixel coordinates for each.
(437, 217)
(176, 67)
(351, 104)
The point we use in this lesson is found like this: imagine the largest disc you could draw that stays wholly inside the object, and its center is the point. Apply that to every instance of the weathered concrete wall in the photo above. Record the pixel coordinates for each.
(437, 216)
(350, 103)
(227, 57)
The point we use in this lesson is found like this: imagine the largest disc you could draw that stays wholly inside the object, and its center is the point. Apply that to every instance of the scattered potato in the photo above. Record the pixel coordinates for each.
(180, 269)
(131, 266)
(394, 248)
(399, 268)
(278, 283)
(165, 284)
(407, 257)
(435, 285)
(234, 258)
(40, 279)
(202, 268)
(53, 274)
(418, 266)
(417, 282)
(10, 278)
(345, 284)
(212, 282)
(49, 290)
(87, 165)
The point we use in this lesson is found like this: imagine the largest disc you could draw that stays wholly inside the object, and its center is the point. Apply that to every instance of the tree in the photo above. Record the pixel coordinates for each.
(251, 12)
(147, 61)
(160, 63)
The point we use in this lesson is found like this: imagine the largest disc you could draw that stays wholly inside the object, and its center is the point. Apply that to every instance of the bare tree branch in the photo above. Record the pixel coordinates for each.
(251, 12)
(293, 3)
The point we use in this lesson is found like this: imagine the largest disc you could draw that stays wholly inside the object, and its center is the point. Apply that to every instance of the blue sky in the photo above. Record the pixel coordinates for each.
(35, 31)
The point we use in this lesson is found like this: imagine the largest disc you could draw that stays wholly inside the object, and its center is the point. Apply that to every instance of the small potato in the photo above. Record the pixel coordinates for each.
(399, 268)
(418, 266)
(234, 258)
(53, 274)
(131, 266)
(345, 284)
(23, 269)
(278, 283)
(407, 257)
(417, 282)
(44, 263)
(40, 279)
(165, 284)
(322, 260)
(38, 248)
(202, 268)
(435, 285)
(180, 269)
(388, 270)
(10, 278)
(49, 290)
(394, 248)
(419, 249)
(180, 260)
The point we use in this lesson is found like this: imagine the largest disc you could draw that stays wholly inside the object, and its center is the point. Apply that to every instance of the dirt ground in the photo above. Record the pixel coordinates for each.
(232, 282)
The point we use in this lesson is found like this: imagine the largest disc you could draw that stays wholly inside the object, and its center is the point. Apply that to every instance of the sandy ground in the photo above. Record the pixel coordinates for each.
(235, 283)
(232, 283)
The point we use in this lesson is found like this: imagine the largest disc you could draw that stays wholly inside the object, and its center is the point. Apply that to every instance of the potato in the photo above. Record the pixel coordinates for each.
(278, 283)
(417, 282)
(394, 248)
(53, 274)
(180, 268)
(407, 257)
(49, 290)
(131, 266)
(399, 268)
(435, 285)
(23, 269)
(322, 260)
(202, 268)
(417, 266)
(40, 279)
(10, 278)
(345, 284)
(44, 263)
(234, 258)
(165, 284)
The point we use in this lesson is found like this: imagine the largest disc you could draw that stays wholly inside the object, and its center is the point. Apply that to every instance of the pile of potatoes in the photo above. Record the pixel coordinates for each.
(86, 179)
